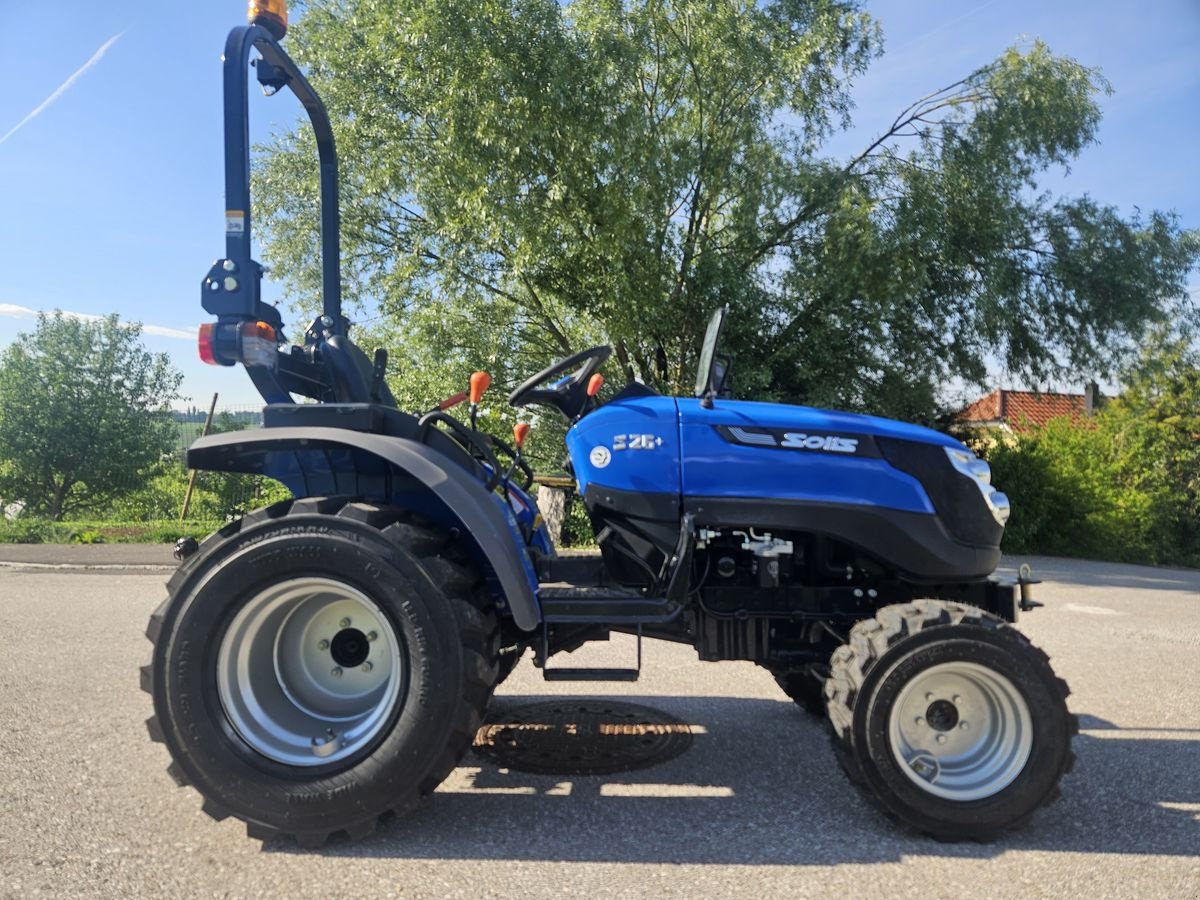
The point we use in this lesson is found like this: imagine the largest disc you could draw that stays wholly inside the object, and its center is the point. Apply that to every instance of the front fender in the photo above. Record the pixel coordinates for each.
(313, 461)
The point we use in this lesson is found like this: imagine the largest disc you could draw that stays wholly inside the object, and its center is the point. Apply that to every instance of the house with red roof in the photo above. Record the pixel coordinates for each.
(1018, 411)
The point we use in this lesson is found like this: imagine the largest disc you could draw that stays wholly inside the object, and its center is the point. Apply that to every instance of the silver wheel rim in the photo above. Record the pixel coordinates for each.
(960, 731)
(309, 671)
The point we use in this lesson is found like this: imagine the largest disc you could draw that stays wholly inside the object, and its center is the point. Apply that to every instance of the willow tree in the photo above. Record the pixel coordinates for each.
(525, 176)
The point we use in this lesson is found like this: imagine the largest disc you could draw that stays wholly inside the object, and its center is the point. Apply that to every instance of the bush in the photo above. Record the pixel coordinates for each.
(1123, 486)
(1068, 496)
(25, 530)
(217, 495)
(577, 527)
(44, 531)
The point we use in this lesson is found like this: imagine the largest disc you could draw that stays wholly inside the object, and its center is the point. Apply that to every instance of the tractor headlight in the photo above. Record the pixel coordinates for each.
(981, 473)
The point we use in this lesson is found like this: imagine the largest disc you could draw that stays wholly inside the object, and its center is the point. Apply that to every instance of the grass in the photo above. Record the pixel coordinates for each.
(43, 531)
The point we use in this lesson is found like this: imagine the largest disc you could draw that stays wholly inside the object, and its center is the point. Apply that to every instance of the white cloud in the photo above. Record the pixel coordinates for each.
(63, 88)
(12, 311)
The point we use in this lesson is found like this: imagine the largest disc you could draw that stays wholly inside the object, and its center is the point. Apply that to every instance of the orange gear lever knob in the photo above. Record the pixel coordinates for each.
(520, 432)
(594, 384)
(479, 383)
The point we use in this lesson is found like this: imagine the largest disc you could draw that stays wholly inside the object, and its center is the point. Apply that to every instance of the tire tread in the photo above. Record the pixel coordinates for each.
(869, 641)
(443, 562)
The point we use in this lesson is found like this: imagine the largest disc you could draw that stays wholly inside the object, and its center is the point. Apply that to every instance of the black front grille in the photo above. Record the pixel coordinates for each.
(955, 496)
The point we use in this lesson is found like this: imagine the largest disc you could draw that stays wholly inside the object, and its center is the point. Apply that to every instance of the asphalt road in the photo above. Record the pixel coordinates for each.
(755, 808)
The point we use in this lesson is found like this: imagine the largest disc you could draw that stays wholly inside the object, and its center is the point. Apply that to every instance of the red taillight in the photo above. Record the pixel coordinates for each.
(205, 344)
(251, 343)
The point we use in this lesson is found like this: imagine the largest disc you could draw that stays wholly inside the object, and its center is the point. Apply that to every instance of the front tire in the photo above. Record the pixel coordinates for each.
(805, 687)
(949, 720)
(318, 664)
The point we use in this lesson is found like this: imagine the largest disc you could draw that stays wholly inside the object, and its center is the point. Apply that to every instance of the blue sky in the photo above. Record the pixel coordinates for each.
(112, 192)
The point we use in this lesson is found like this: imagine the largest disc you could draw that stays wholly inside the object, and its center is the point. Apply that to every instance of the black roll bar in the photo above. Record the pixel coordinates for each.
(231, 290)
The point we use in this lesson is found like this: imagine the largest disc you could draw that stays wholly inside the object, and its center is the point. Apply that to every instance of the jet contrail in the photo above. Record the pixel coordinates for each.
(12, 311)
(62, 88)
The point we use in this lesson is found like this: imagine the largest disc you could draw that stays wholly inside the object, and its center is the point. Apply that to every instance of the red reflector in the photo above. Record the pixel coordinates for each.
(205, 344)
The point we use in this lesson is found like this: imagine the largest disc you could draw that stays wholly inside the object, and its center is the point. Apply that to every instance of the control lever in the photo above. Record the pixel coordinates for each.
(479, 383)
(520, 432)
(378, 371)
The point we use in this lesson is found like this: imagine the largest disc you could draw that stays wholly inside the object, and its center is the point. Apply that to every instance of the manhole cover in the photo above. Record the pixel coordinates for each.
(582, 737)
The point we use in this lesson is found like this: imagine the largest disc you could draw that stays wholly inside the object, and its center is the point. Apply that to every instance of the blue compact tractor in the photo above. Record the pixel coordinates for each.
(328, 659)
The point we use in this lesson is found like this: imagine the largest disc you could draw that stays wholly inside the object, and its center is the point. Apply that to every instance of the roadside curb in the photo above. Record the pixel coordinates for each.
(88, 557)
(84, 567)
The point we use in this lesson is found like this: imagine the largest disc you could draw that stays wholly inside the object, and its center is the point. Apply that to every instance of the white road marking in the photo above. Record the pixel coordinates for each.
(1193, 808)
(665, 790)
(1092, 610)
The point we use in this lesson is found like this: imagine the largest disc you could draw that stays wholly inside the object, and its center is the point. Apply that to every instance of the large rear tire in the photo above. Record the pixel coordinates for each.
(318, 664)
(949, 721)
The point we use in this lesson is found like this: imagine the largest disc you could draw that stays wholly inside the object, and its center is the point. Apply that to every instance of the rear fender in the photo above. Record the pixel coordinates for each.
(314, 462)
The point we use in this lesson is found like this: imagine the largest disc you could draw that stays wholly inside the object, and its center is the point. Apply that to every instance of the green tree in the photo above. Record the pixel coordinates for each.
(82, 413)
(522, 177)
(1154, 431)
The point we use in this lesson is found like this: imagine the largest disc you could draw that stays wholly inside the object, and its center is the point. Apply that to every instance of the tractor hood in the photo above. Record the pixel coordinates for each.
(808, 420)
(887, 487)
(675, 447)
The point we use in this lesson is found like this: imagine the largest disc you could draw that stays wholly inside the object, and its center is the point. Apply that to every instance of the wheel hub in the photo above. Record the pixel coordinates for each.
(349, 647)
(961, 731)
(942, 715)
(310, 671)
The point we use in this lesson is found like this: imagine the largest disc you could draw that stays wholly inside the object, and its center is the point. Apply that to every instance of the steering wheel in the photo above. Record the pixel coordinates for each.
(568, 395)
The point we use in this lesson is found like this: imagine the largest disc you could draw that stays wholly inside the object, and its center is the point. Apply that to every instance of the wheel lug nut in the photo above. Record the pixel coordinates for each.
(371, 635)
(337, 672)
(367, 667)
(322, 644)
(345, 623)
(920, 720)
(963, 726)
(957, 699)
(929, 697)
(941, 739)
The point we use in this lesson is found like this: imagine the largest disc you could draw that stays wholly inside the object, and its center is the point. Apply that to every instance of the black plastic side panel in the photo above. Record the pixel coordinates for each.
(639, 525)
(916, 544)
(314, 461)
(955, 496)
(635, 504)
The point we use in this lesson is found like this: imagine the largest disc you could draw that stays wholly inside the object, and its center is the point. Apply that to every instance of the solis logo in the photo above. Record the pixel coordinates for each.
(793, 440)
(819, 442)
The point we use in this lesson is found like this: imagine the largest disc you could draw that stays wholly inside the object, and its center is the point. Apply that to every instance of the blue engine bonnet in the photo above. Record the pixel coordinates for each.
(666, 445)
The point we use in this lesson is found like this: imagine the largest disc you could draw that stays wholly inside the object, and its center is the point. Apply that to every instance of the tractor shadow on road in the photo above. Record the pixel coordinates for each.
(760, 786)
